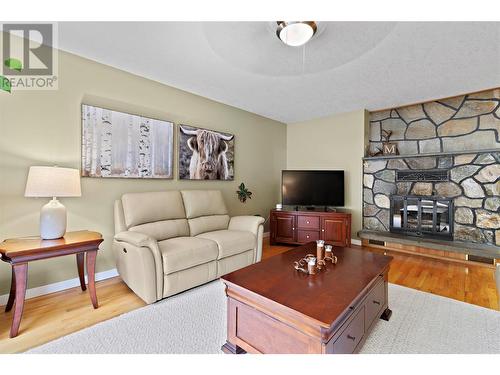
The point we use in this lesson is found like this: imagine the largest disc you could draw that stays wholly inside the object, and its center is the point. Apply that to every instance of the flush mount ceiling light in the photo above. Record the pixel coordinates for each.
(295, 33)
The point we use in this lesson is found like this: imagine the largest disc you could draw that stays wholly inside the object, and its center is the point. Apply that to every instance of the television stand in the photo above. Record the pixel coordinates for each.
(300, 227)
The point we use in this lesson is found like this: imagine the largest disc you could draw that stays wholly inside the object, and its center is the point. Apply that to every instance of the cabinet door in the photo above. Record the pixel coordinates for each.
(284, 228)
(334, 231)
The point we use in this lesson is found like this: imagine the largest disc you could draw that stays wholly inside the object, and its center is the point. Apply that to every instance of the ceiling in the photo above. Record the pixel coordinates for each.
(346, 66)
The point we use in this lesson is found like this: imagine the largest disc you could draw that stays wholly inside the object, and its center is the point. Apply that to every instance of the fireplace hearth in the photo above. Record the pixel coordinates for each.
(422, 216)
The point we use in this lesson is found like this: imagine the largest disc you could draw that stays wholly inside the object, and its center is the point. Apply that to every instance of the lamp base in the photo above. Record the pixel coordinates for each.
(52, 220)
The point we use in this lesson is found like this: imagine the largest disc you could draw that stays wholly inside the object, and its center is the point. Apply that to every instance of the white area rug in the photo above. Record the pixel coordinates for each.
(195, 322)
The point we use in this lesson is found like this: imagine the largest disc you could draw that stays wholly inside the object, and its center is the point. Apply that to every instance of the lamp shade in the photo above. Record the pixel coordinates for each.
(53, 182)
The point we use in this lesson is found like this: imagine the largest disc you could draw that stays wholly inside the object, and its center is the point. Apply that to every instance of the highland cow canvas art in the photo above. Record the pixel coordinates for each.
(117, 144)
(205, 154)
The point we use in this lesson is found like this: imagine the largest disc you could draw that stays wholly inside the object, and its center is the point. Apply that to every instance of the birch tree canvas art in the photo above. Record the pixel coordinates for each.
(117, 144)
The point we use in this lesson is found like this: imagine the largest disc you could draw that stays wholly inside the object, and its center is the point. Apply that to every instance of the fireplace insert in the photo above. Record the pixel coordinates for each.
(423, 216)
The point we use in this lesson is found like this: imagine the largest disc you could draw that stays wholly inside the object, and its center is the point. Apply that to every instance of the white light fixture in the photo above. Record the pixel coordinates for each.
(53, 182)
(295, 33)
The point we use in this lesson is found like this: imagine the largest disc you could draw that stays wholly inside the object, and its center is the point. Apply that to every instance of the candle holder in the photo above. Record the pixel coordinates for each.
(303, 264)
(329, 254)
(320, 246)
(311, 265)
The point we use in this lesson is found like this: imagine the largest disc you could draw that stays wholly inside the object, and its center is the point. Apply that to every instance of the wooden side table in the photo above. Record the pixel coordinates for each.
(19, 251)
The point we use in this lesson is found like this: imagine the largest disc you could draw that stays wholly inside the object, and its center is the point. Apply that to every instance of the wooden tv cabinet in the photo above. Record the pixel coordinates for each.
(300, 227)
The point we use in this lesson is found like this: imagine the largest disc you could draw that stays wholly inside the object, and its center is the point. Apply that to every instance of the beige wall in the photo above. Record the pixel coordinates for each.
(334, 142)
(43, 128)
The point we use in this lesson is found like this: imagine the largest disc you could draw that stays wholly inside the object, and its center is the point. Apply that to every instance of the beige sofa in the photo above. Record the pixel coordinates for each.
(167, 242)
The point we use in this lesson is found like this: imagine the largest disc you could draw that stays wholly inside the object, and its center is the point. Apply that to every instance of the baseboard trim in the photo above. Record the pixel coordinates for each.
(265, 234)
(61, 285)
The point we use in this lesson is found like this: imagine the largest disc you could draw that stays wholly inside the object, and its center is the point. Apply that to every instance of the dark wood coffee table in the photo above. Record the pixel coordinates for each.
(272, 308)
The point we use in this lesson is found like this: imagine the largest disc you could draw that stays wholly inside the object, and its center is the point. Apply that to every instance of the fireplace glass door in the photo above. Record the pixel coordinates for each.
(422, 216)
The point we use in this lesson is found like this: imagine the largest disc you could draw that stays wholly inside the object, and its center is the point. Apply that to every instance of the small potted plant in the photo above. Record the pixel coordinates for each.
(243, 193)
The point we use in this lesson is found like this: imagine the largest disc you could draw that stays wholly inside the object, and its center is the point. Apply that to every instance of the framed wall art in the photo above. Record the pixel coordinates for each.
(205, 154)
(122, 145)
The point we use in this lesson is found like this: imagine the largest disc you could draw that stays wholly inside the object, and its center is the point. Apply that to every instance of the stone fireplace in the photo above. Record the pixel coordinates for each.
(445, 182)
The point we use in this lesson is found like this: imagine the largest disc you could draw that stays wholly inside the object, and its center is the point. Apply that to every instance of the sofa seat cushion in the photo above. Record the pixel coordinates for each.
(231, 242)
(181, 253)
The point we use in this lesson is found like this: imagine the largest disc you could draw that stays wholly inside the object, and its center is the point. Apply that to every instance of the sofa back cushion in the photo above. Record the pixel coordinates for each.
(205, 210)
(158, 214)
(203, 203)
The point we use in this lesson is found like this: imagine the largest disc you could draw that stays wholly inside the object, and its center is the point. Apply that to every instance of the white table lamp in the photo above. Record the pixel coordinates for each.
(53, 182)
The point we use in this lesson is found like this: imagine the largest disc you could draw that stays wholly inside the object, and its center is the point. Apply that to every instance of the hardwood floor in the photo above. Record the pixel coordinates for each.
(51, 316)
(471, 284)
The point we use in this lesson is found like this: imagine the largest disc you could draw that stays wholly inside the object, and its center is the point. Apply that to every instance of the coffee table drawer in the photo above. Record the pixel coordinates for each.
(308, 222)
(351, 335)
(374, 302)
(307, 236)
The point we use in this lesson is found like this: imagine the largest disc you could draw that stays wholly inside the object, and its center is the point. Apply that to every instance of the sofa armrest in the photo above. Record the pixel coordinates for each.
(142, 240)
(247, 223)
(135, 238)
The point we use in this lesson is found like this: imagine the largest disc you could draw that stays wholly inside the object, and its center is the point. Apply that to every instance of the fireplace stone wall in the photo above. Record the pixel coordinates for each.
(474, 186)
(466, 122)
(460, 135)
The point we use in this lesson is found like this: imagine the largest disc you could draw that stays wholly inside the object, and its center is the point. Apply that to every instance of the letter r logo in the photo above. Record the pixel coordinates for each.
(27, 49)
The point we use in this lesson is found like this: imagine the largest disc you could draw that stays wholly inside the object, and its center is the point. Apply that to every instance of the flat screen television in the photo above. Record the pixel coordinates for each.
(312, 188)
